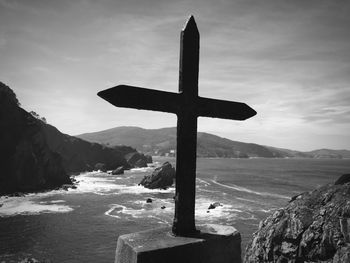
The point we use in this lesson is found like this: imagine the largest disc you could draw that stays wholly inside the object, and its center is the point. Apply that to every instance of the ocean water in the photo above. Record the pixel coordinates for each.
(83, 224)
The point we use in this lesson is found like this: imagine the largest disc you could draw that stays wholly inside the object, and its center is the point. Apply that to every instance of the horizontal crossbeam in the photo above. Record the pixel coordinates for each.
(155, 100)
(141, 98)
(224, 109)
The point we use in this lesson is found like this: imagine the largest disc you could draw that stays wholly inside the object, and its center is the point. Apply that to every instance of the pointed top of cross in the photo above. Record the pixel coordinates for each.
(190, 25)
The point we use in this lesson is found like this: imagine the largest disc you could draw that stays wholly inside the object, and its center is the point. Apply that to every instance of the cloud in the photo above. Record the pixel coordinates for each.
(287, 59)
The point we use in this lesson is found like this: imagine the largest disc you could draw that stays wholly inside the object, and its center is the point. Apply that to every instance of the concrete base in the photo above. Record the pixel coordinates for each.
(213, 244)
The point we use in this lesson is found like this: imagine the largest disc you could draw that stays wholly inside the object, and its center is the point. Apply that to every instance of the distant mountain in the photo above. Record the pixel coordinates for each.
(163, 142)
(327, 153)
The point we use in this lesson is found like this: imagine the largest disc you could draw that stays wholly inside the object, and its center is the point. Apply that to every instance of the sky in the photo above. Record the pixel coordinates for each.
(289, 60)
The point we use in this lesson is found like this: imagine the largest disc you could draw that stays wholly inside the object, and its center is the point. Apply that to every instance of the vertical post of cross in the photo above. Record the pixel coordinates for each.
(184, 220)
(187, 105)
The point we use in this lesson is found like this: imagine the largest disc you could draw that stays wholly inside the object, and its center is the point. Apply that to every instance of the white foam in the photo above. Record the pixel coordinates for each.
(110, 211)
(27, 206)
(102, 184)
(118, 210)
(138, 189)
(87, 183)
(141, 170)
(140, 209)
(243, 189)
(226, 211)
(202, 182)
(52, 202)
(267, 210)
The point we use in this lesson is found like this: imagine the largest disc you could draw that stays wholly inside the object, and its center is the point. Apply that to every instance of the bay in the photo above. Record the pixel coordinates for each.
(83, 224)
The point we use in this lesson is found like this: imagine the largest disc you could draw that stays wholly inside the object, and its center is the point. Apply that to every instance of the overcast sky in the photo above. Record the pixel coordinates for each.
(289, 60)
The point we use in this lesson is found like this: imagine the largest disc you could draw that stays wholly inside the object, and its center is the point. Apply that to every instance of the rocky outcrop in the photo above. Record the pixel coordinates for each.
(27, 162)
(214, 205)
(136, 159)
(345, 178)
(161, 178)
(119, 170)
(314, 227)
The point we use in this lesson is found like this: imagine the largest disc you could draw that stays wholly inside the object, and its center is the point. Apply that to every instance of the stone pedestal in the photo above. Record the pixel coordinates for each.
(213, 244)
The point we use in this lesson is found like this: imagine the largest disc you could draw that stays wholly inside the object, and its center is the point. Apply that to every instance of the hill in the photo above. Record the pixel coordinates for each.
(36, 156)
(163, 142)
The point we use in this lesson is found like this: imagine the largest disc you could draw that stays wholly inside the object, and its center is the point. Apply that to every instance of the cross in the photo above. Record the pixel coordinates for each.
(188, 106)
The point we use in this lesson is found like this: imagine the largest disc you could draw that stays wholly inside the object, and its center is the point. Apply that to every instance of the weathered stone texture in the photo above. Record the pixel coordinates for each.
(314, 227)
(161, 178)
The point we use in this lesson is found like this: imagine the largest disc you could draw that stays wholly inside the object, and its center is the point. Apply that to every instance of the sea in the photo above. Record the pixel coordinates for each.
(83, 224)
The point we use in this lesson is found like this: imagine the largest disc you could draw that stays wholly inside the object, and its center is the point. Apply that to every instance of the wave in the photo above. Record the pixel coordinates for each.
(28, 205)
(202, 182)
(103, 184)
(140, 209)
(140, 170)
(123, 212)
(246, 190)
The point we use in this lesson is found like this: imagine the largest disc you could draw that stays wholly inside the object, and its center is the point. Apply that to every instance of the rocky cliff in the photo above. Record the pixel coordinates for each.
(27, 162)
(313, 227)
(36, 156)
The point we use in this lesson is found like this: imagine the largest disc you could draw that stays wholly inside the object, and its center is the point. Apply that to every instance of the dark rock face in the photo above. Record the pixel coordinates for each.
(136, 159)
(100, 167)
(161, 178)
(27, 162)
(345, 178)
(119, 170)
(314, 227)
(214, 205)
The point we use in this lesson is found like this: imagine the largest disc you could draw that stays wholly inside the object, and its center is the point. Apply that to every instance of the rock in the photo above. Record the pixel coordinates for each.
(162, 177)
(119, 170)
(136, 159)
(66, 186)
(313, 227)
(141, 163)
(17, 194)
(345, 178)
(149, 200)
(214, 205)
(342, 255)
(100, 167)
(163, 207)
(149, 159)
